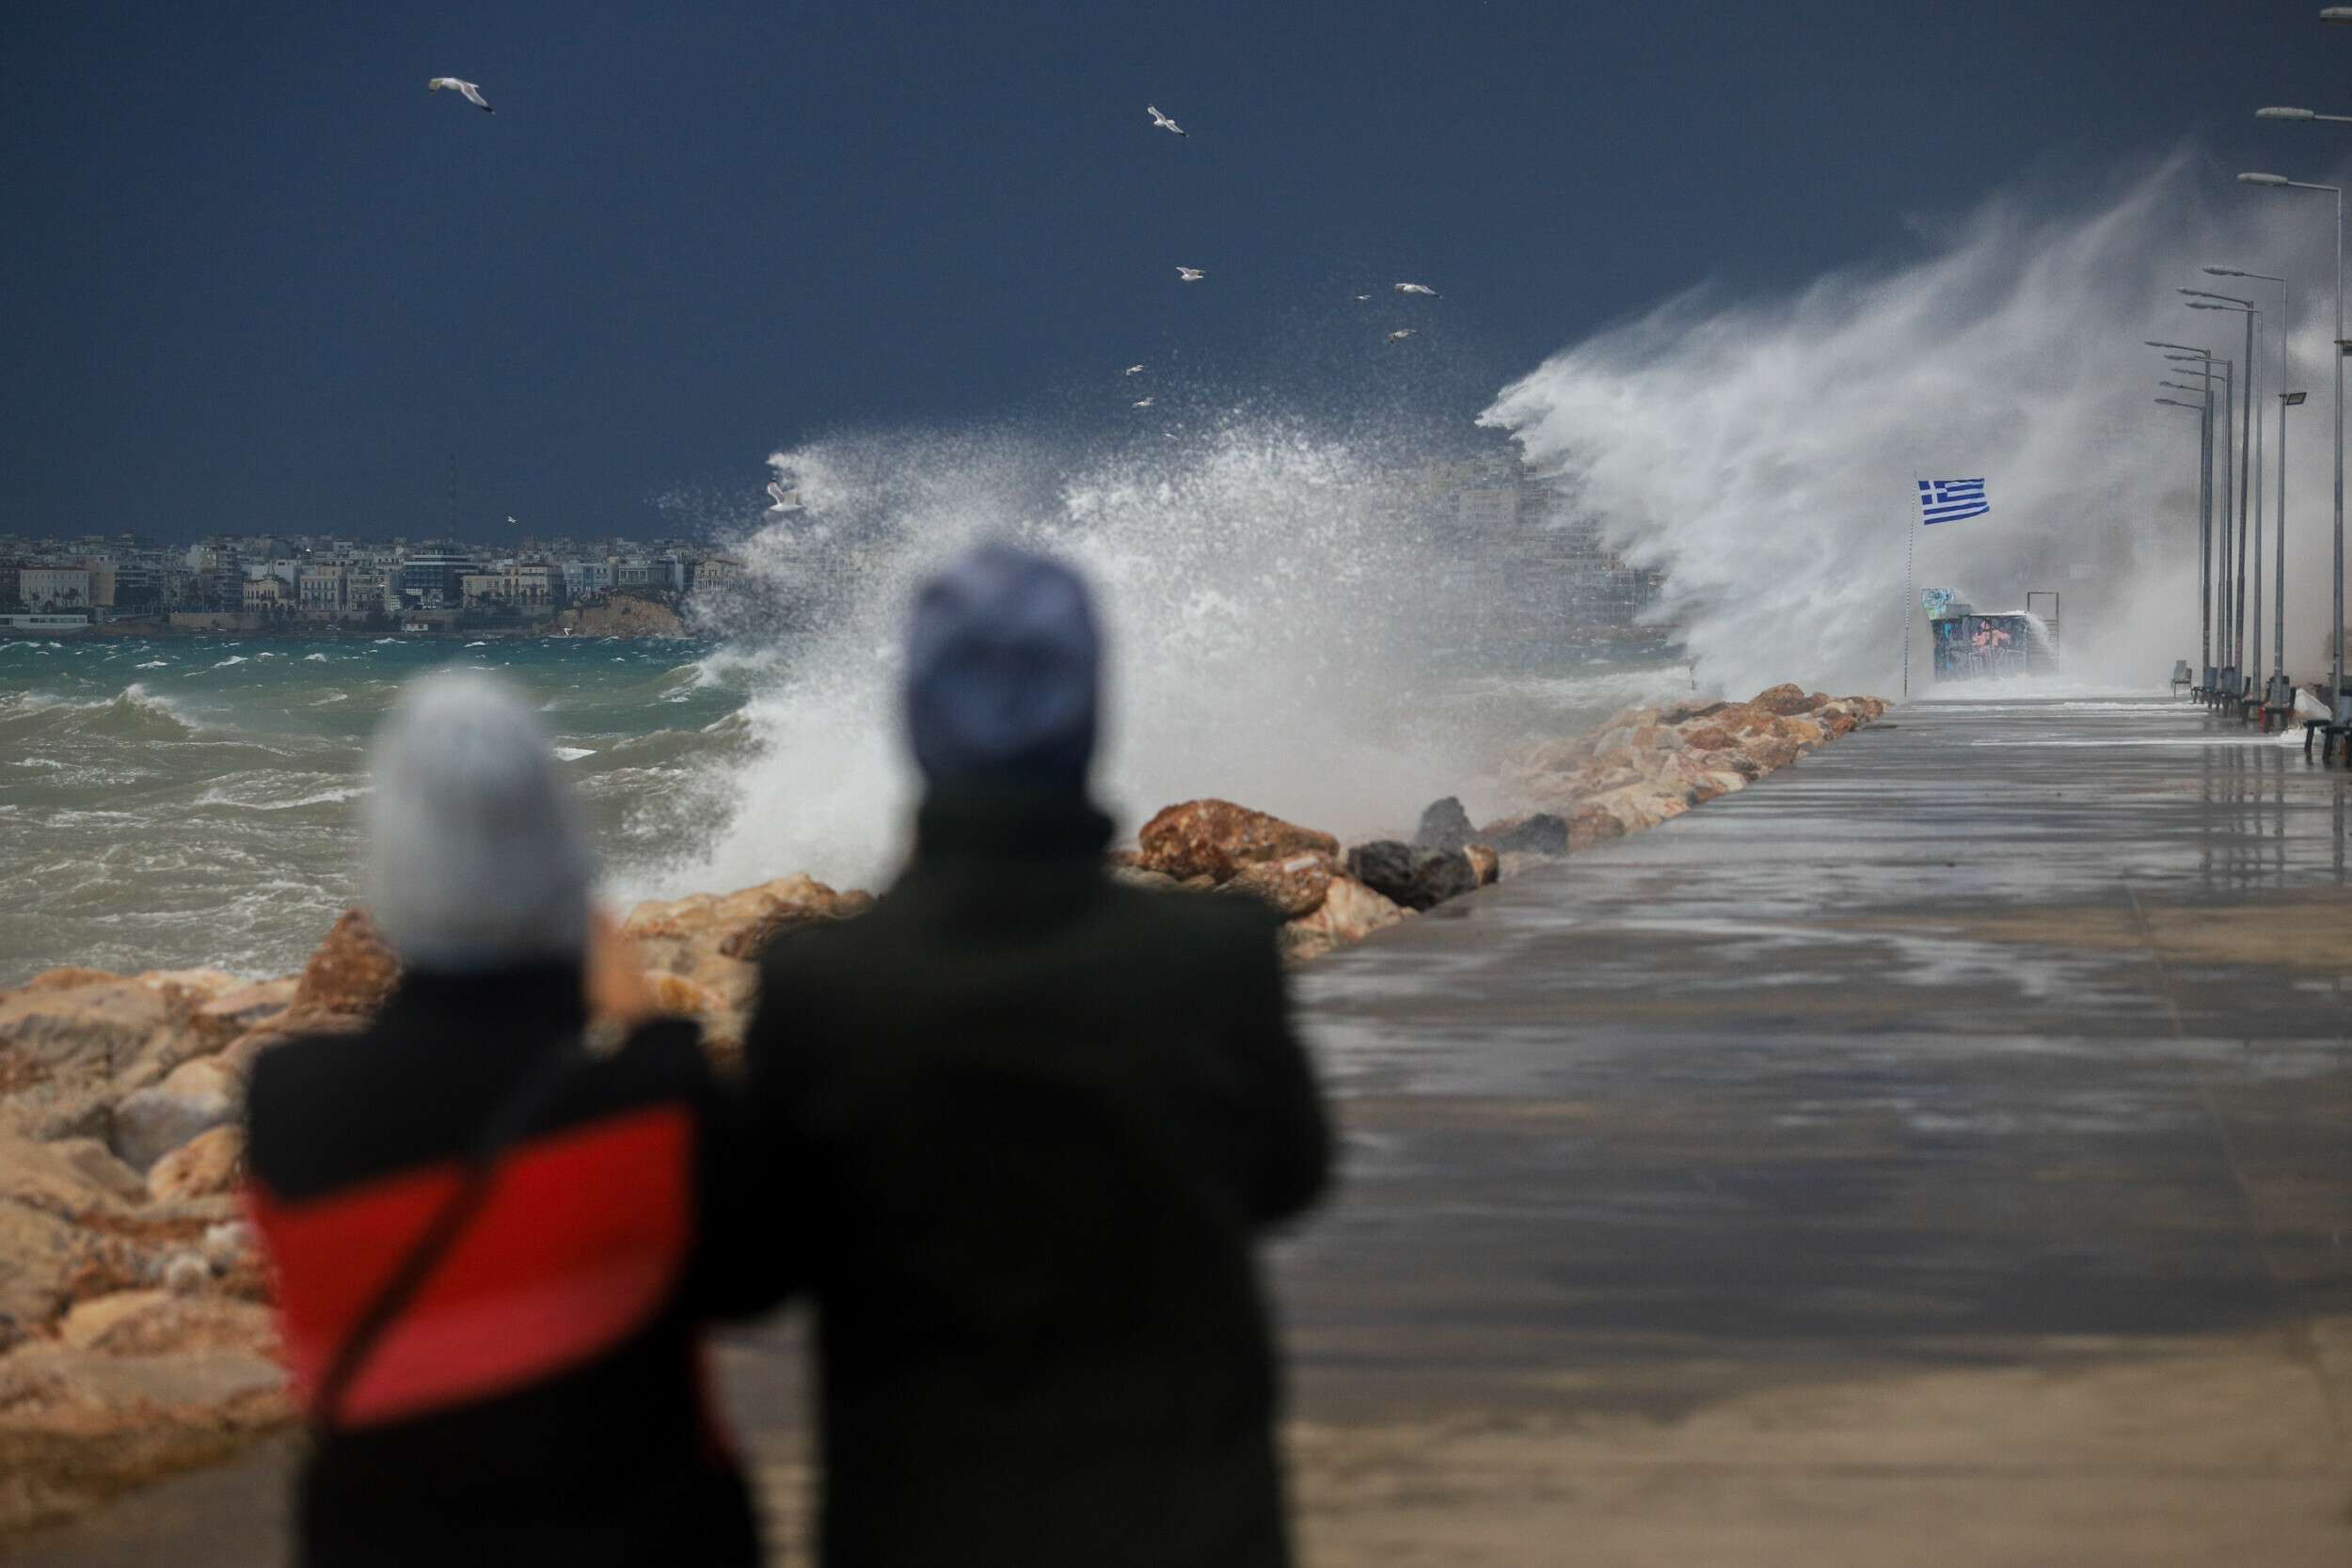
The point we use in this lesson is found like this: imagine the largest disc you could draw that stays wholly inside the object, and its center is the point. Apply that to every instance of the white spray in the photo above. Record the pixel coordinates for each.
(1765, 455)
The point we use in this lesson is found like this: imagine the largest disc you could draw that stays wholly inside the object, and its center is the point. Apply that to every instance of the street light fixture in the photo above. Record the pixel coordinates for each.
(2276, 693)
(2190, 355)
(2279, 696)
(2340, 705)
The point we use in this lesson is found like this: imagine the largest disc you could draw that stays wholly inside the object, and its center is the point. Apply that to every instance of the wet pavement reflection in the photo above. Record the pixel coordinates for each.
(1996, 1023)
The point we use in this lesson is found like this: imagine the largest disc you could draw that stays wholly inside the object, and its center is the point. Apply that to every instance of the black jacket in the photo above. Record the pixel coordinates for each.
(543, 1400)
(1032, 1119)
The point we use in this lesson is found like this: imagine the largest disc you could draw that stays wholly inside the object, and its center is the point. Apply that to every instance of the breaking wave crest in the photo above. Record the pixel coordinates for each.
(1764, 454)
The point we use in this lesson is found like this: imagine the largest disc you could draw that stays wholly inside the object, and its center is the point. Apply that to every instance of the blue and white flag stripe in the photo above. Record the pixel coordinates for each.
(1941, 500)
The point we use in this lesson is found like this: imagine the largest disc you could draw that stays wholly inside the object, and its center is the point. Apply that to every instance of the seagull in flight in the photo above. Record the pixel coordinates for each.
(472, 94)
(1190, 275)
(786, 501)
(1364, 296)
(1419, 289)
(1147, 402)
(1402, 332)
(1133, 369)
(1162, 120)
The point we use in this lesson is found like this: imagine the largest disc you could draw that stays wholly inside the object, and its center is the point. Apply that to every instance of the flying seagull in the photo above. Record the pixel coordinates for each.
(1133, 369)
(474, 94)
(1191, 275)
(1162, 120)
(1146, 402)
(1402, 332)
(1419, 289)
(1364, 296)
(786, 501)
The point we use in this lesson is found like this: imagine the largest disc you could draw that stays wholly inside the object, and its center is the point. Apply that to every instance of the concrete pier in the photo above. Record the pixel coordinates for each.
(1940, 1153)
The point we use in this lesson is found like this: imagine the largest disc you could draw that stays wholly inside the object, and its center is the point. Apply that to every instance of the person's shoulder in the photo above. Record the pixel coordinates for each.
(293, 1074)
(1238, 922)
(820, 947)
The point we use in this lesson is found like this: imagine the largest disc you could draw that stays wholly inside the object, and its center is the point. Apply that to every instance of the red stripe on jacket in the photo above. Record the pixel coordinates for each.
(580, 1244)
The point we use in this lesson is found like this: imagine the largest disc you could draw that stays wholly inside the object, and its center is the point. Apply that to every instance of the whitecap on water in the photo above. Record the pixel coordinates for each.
(573, 753)
(232, 658)
(313, 659)
(153, 664)
(476, 644)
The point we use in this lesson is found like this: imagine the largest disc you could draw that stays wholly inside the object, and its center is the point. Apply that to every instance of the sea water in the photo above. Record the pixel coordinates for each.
(175, 802)
(195, 800)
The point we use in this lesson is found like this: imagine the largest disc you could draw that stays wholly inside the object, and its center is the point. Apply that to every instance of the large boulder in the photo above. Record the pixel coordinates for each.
(1216, 838)
(1296, 886)
(1415, 879)
(75, 1024)
(351, 973)
(738, 924)
(247, 1008)
(1349, 911)
(1444, 825)
(163, 1323)
(79, 1427)
(206, 1164)
(50, 1177)
(702, 949)
(150, 1123)
(39, 1253)
(1540, 833)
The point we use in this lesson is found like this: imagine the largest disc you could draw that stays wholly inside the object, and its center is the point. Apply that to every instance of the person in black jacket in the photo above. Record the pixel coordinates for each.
(498, 1228)
(1031, 1120)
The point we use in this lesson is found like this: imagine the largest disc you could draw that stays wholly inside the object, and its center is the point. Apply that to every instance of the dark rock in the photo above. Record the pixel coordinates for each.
(1444, 826)
(1417, 879)
(1540, 834)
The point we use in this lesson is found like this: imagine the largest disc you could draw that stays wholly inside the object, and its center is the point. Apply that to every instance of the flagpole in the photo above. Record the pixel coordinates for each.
(1911, 540)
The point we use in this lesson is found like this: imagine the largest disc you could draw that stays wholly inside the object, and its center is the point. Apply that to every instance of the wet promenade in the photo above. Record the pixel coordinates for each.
(1940, 1153)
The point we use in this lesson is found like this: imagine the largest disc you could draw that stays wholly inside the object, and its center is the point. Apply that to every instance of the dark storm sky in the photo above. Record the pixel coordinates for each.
(253, 276)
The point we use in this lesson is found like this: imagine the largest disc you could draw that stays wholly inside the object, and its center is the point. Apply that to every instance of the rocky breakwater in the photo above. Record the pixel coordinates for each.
(1645, 766)
(1649, 765)
(136, 1334)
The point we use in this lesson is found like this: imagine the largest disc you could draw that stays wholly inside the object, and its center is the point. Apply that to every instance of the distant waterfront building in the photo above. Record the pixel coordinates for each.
(511, 584)
(586, 577)
(65, 587)
(429, 578)
(320, 591)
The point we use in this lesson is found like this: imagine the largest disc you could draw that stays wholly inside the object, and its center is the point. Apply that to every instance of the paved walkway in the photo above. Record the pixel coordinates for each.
(1938, 1153)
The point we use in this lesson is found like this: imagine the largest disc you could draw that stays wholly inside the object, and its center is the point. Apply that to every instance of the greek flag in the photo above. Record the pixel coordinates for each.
(1943, 500)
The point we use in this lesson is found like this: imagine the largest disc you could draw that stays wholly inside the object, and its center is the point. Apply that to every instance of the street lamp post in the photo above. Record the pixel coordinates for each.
(2248, 478)
(2340, 705)
(2279, 696)
(2275, 692)
(2202, 408)
(2204, 507)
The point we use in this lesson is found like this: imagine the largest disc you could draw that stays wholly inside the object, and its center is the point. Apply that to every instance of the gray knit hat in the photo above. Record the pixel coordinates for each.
(477, 856)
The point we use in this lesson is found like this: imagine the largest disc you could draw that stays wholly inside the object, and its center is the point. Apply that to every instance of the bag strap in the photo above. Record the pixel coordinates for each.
(508, 1122)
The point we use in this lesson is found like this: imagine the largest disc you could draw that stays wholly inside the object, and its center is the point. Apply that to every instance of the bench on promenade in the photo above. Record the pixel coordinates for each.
(2330, 733)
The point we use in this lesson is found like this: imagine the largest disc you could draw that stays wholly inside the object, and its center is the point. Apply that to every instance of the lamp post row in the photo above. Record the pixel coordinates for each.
(2234, 571)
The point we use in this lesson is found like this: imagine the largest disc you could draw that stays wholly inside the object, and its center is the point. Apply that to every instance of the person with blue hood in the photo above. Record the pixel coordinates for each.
(1029, 1121)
